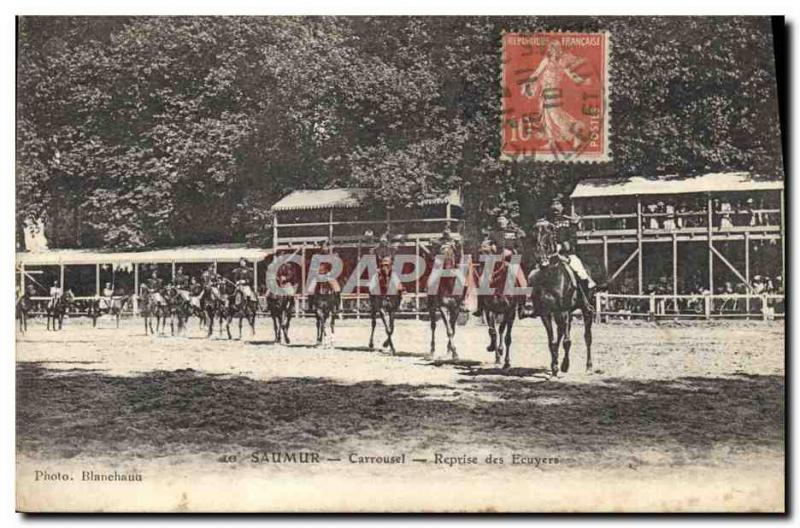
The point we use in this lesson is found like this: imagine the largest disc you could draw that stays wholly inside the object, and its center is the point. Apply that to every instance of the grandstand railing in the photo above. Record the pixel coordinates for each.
(766, 306)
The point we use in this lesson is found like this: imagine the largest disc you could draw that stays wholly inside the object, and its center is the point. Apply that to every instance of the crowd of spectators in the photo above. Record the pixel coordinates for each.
(675, 212)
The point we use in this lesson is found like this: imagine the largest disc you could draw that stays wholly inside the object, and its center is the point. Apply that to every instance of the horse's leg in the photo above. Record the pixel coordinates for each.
(547, 320)
(320, 325)
(446, 320)
(276, 328)
(567, 341)
(561, 327)
(388, 333)
(333, 324)
(451, 336)
(373, 316)
(288, 314)
(501, 346)
(241, 316)
(432, 315)
(509, 326)
(490, 322)
(587, 337)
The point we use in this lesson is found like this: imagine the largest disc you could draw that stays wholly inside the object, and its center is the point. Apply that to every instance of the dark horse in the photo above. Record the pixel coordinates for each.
(326, 307)
(151, 308)
(281, 306)
(57, 308)
(500, 310)
(385, 293)
(555, 297)
(114, 307)
(238, 305)
(177, 308)
(23, 306)
(446, 300)
(213, 306)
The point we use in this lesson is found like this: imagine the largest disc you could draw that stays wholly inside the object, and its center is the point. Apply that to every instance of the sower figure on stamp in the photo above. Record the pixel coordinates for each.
(547, 82)
(565, 228)
(506, 240)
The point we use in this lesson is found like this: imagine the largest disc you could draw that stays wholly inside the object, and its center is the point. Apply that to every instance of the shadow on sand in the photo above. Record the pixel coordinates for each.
(63, 413)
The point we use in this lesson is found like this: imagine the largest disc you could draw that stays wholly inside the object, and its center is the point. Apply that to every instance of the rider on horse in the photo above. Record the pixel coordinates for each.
(209, 276)
(156, 286)
(565, 228)
(182, 283)
(506, 240)
(107, 297)
(55, 294)
(195, 292)
(383, 249)
(325, 248)
(243, 278)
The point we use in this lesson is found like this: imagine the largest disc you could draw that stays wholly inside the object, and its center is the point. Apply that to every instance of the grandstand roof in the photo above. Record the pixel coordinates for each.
(674, 184)
(305, 200)
(205, 253)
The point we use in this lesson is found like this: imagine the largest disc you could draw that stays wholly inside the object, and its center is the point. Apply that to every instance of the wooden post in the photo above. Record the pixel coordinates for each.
(416, 283)
(135, 289)
(22, 276)
(747, 271)
(330, 225)
(675, 272)
(358, 290)
(639, 239)
(255, 276)
(97, 279)
(61, 278)
(275, 233)
(172, 279)
(605, 254)
(710, 234)
(303, 298)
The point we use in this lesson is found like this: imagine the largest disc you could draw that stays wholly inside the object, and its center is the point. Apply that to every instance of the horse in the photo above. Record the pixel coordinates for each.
(281, 306)
(555, 297)
(57, 308)
(212, 304)
(23, 306)
(115, 306)
(150, 308)
(500, 311)
(326, 307)
(385, 293)
(177, 307)
(446, 302)
(238, 305)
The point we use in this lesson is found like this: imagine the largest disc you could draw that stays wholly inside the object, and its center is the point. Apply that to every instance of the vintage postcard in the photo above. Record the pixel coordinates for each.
(290, 264)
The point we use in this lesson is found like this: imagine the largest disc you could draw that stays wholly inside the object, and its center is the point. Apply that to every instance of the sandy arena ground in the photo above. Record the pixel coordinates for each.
(685, 417)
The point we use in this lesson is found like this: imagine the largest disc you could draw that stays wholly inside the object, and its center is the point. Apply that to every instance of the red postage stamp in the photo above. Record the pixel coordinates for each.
(555, 96)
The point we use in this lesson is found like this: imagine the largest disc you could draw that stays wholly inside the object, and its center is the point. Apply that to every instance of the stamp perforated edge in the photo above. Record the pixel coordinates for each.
(603, 157)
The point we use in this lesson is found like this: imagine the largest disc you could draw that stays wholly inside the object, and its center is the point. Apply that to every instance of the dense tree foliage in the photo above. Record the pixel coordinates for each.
(136, 132)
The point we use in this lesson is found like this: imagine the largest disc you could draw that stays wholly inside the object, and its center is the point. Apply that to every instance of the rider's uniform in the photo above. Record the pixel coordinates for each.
(155, 285)
(195, 293)
(182, 285)
(567, 237)
(382, 252)
(208, 277)
(108, 294)
(508, 242)
(243, 278)
(55, 295)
